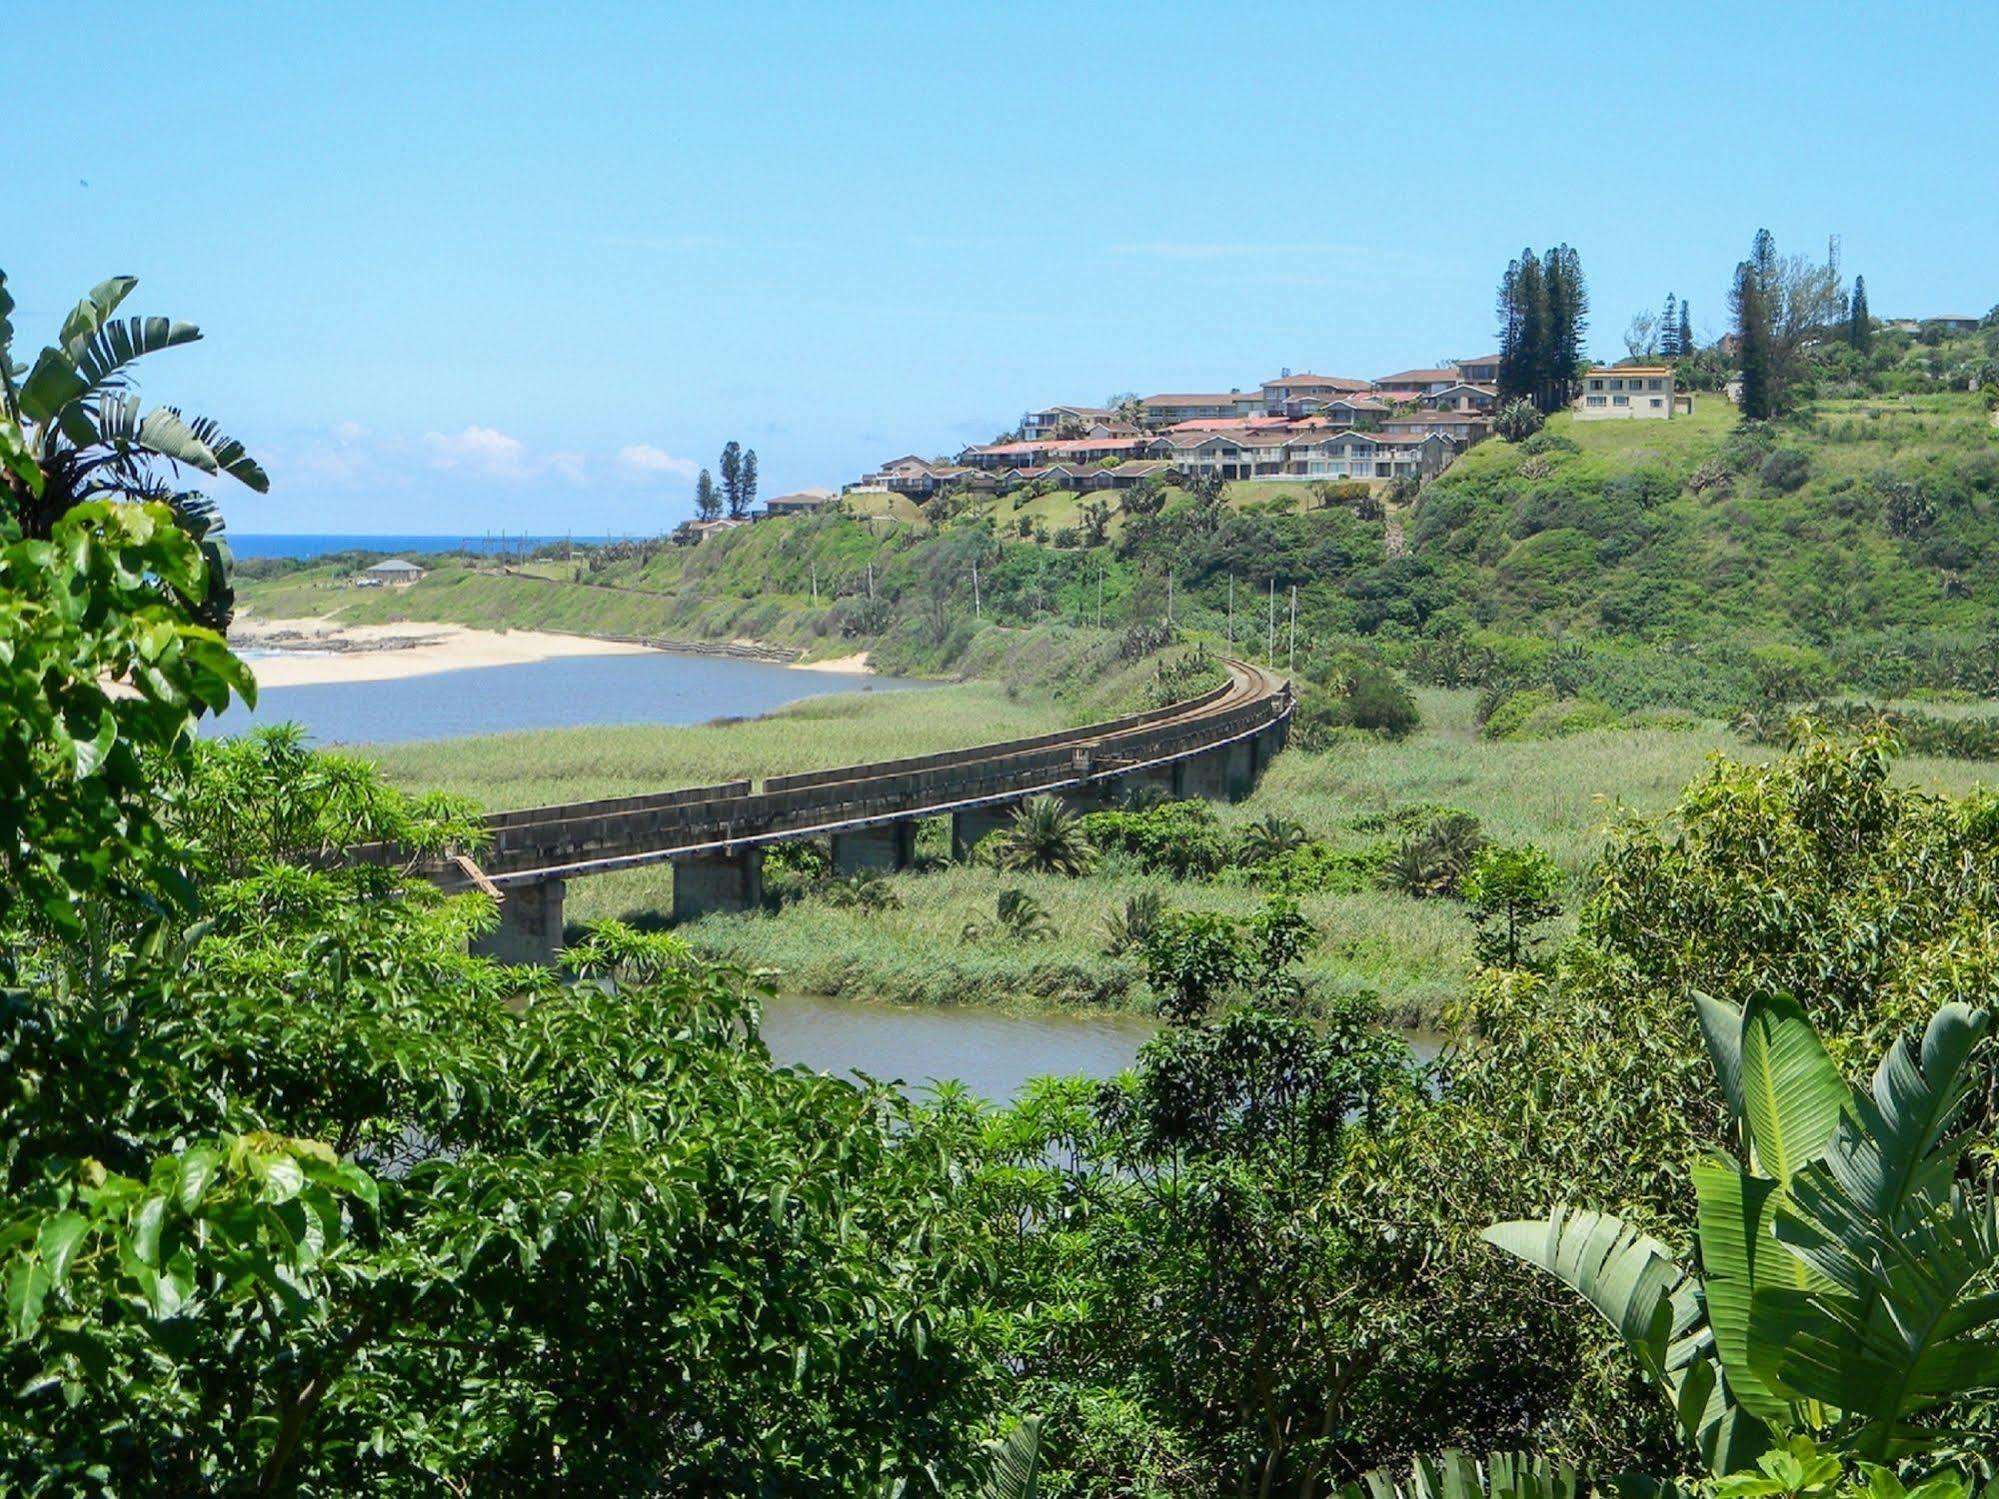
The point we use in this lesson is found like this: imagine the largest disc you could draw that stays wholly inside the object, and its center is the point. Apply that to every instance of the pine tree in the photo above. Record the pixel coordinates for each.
(707, 503)
(1859, 322)
(1543, 310)
(1669, 328)
(749, 479)
(1753, 352)
(732, 476)
(1567, 320)
(1686, 333)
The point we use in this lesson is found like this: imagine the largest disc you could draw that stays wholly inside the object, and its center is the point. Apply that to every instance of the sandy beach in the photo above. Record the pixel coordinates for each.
(320, 651)
(847, 666)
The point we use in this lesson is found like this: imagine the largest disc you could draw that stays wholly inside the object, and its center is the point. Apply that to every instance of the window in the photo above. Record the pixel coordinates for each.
(1596, 385)
(1655, 385)
(1617, 385)
(1657, 403)
(1620, 400)
(1593, 400)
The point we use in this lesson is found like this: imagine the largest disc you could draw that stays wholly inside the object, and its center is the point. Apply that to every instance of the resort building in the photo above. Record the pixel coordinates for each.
(1484, 370)
(1629, 393)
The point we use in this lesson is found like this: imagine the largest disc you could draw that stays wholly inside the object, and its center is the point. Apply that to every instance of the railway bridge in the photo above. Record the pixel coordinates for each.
(1214, 745)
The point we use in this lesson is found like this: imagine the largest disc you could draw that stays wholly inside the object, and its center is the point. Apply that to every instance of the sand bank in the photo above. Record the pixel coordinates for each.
(847, 666)
(317, 651)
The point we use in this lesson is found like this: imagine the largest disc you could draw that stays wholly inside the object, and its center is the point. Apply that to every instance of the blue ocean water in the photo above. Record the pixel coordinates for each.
(252, 544)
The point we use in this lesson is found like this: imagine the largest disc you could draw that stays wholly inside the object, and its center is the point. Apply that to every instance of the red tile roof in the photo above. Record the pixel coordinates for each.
(1418, 377)
(1323, 382)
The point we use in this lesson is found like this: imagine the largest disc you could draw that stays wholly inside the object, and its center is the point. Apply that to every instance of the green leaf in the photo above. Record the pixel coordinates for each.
(118, 344)
(90, 314)
(51, 385)
(57, 1242)
(16, 459)
(1792, 1095)
(1721, 1029)
(1736, 1249)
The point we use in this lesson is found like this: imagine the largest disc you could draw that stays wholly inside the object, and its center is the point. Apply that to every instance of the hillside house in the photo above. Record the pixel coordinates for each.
(1051, 421)
(799, 502)
(393, 573)
(1307, 392)
(1461, 397)
(1484, 370)
(1172, 409)
(1462, 427)
(1629, 393)
(1413, 385)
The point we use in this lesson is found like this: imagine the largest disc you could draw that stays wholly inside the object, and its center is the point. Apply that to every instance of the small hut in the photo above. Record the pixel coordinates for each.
(394, 573)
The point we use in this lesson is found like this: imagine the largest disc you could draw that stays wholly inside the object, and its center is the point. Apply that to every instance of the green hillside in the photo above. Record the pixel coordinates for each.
(1700, 564)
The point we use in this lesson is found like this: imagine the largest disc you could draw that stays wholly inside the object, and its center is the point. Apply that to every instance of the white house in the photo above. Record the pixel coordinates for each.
(1630, 393)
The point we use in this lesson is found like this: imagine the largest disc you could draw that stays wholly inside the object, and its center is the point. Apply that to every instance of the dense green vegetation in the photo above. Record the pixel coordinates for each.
(1354, 798)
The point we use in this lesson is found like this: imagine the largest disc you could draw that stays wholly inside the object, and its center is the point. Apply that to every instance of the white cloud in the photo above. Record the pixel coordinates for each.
(350, 431)
(570, 466)
(485, 449)
(644, 458)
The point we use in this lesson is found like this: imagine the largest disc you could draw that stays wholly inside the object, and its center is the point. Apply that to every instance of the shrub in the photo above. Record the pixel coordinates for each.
(1544, 442)
(1318, 868)
(1126, 931)
(1711, 475)
(1176, 838)
(1378, 701)
(1435, 862)
(1512, 892)
(1785, 470)
(1518, 420)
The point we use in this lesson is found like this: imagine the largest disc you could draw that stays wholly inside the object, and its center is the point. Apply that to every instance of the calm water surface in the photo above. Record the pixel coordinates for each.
(991, 1053)
(656, 687)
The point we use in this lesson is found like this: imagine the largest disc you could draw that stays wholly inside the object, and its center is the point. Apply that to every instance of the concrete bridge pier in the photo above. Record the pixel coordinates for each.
(1205, 775)
(718, 882)
(1239, 768)
(889, 846)
(974, 823)
(530, 929)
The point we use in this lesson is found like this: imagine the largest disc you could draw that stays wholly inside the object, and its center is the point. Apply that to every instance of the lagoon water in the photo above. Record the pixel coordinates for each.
(655, 687)
(991, 1052)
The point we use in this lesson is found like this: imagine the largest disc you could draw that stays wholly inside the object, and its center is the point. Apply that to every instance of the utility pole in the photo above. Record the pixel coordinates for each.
(1100, 593)
(1291, 659)
(1231, 608)
(1169, 596)
(978, 612)
(1270, 631)
(871, 580)
(815, 582)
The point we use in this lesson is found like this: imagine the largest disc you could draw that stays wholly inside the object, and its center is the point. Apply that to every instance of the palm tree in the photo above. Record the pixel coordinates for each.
(71, 431)
(1271, 837)
(1045, 838)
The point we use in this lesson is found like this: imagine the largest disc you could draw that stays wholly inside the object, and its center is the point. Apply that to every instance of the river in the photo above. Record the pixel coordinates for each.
(649, 687)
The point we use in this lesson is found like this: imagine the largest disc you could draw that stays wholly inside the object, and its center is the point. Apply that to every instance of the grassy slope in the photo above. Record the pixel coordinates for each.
(1560, 548)
(1414, 953)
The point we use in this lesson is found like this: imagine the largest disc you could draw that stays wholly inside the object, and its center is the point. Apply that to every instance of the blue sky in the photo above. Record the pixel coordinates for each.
(470, 267)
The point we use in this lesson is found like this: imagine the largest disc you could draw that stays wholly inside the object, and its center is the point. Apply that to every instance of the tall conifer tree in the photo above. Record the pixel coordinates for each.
(1543, 312)
(1669, 328)
(1859, 322)
(1686, 333)
(1753, 351)
(707, 503)
(749, 478)
(732, 476)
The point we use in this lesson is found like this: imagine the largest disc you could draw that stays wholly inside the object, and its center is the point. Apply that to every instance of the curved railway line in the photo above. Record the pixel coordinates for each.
(1214, 745)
